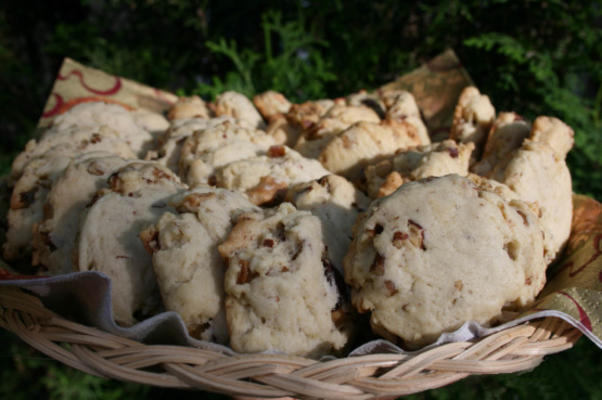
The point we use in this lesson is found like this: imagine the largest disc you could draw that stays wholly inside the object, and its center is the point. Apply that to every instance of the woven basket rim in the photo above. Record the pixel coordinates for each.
(100, 353)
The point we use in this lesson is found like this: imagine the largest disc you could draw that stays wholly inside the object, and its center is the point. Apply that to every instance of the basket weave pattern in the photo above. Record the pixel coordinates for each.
(360, 377)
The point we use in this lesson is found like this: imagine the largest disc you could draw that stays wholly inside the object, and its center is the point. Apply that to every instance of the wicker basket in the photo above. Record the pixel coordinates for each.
(359, 377)
(258, 375)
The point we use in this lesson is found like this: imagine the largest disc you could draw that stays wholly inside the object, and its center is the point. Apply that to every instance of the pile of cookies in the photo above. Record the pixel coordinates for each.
(271, 226)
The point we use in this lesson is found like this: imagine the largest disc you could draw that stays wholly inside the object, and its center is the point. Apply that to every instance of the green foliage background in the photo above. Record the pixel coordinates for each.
(533, 57)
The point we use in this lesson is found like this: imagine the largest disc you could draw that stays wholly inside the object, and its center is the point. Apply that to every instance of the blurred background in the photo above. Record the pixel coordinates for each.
(532, 57)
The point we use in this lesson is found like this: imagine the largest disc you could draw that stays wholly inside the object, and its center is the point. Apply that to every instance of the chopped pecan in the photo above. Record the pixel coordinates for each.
(453, 152)
(311, 130)
(391, 288)
(266, 191)
(392, 182)
(150, 240)
(114, 182)
(276, 151)
(160, 174)
(398, 238)
(197, 330)
(96, 138)
(416, 234)
(191, 202)
(268, 243)
(245, 275)
(325, 183)
(94, 169)
(347, 142)
(524, 217)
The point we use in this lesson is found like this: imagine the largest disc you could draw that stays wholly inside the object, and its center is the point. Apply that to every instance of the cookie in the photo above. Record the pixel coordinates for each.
(505, 136)
(189, 269)
(436, 159)
(312, 141)
(440, 252)
(364, 143)
(302, 124)
(238, 106)
(137, 175)
(35, 170)
(306, 114)
(27, 202)
(337, 203)
(54, 237)
(281, 293)
(216, 146)
(473, 116)
(108, 240)
(271, 103)
(403, 107)
(338, 118)
(169, 145)
(263, 178)
(189, 107)
(555, 133)
(536, 174)
(73, 140)
(94, 114)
